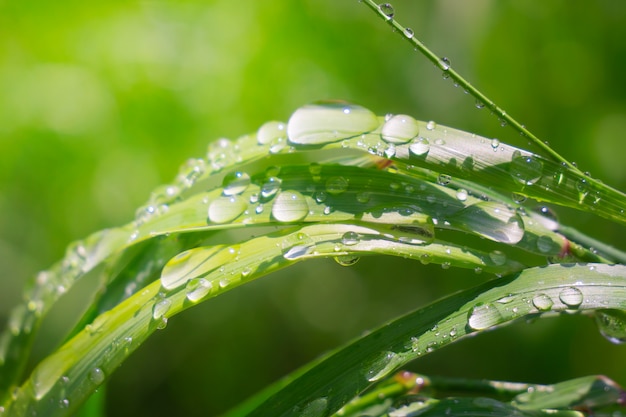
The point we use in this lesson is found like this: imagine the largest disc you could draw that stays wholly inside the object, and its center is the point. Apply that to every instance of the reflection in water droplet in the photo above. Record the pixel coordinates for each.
(289, 206)
(542, 302)
(346, 260)
(321, 123)
(482, 316)
(492, 220)
(382, 366)
(419, 146)
(525, 169)
(399, 129)
(226, 209)
(235, 183)
(612, 325)
(571, 297)
(270, 131)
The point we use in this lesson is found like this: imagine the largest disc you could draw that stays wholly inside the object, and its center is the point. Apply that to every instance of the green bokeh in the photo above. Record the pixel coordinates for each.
(102, 101)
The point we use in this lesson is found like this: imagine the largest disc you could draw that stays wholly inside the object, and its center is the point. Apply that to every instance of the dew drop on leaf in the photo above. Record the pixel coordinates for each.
(327, 122)
(235, 183)
(197, 289)
(350, 238)
(444, 63)
(542, 302)
(492, 220)
(161, 308)
(270, 187)
(226, 209)
(96, 376)
(431, 125)
(419, 147)
(336, 185)
(612, 325)
(399, 129)
(571, 296)
(461, 194)
(297, 245)
(382, 366)
(346, 260)
(270, 132)
(290, 206)
(525, 169)
(482, 316)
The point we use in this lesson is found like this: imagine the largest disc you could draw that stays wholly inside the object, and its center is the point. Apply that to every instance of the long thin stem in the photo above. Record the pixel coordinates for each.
(386, 12)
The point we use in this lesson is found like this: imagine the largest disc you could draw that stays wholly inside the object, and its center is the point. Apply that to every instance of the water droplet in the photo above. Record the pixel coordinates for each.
(387, 10)
(270, 132)
(461, 194)
(583, 189)
(431, 125)
(289, 206)
(444, 63)
(425, 259)
(346, 260)
(497, 257)
(612, 325)
(235, 183)
(363, 197)
(161, 308)
(297, 245)
(220, 153)
(197, 289)
(542, 302)
(545, 244)
(479, 104)
(483, 316)
(494, 144)
(571, 297)
(190, 171)
(226, 209)
(350, 238)
(444, 179)
(518, 198)
(315, 169)
(419, 147)
(321, 123)
(315, 408)
(64, 403)
(525, 169)
(492, 220)
(399, 129)
(408, 32)
(382, 366)
(96, 375)
(336, 185)
(270, 187)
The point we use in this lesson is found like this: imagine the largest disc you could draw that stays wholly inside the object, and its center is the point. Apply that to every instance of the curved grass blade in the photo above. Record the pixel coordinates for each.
(535, 292)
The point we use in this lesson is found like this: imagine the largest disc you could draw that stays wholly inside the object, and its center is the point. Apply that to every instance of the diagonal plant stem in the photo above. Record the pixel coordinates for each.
(444, 65)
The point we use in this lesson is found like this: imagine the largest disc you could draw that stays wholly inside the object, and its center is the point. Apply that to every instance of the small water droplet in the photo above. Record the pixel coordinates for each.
(494, 144)
(161, 308)
(425, 259)
(270, 187)
(297, 245)
(387, 10)
(572, 297)
(382, 366)
(290, 206)
(444, 63)
(431, 125)
(542, 302)
(483, 316)
(64, 403)
(497, 257)
(480, 104)
(346, 260)
(327, 122)
(190, 171)
(226, 209)
(336, 185)
(235, 183)
(444, 179)
(350, 238)
(270, 132)
(315, 408)
(399, 129)
(461, 194)
(419, 147)
(96, 375)
(363, 197)
(545, 244)
(197, 289)
(492, 220)
(518, 198)
(612, 325)
(525, 169)
(408, 32)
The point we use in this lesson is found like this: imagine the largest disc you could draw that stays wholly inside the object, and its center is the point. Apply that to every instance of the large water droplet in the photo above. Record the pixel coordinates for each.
(382, 366)
(387, 10)
(290, 206)
(542, 302)
(321, 123)
(350, 238)
(161, 308)
(419, 147)
(612, 325)
(96, 375)
(571, 297)
(226, 209)
(545, 244)
(492, 220)
(482, 316)
(399, 129)
(270, 132)
(235, 183)
(197, 289)
(297, 246)
(408, 32)
(525, 169)
(336, 185)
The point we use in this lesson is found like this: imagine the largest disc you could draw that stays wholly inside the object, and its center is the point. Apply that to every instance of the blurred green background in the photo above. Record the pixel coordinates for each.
(102, 101)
